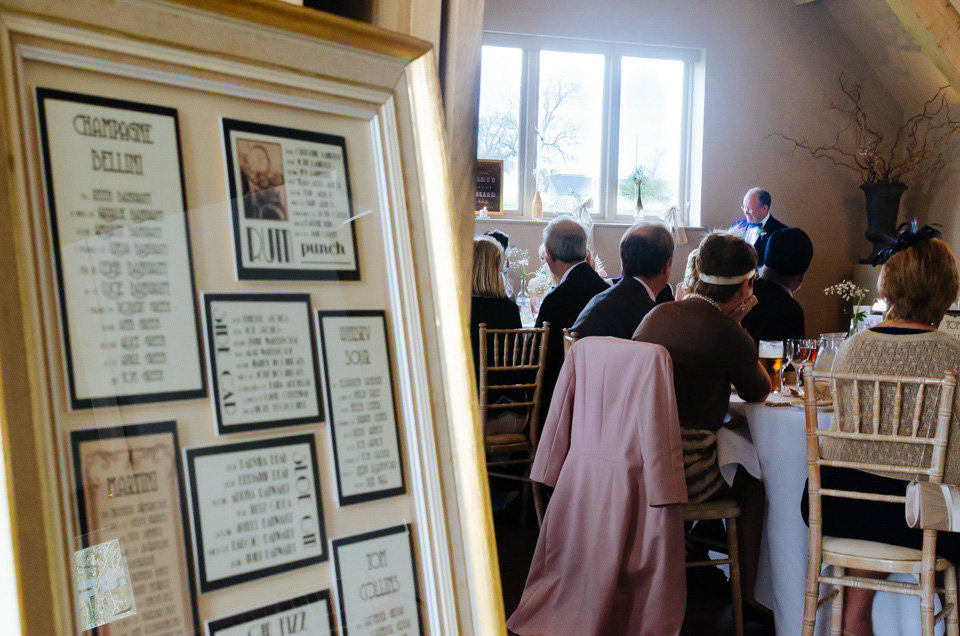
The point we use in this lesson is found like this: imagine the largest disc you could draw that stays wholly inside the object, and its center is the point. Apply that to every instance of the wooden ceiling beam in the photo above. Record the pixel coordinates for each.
(935, 26)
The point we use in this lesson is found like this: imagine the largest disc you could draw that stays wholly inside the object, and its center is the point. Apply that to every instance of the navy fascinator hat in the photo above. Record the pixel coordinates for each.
(906, 236)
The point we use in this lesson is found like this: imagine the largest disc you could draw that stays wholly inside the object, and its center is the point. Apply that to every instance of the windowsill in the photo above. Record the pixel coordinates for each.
(506, 220)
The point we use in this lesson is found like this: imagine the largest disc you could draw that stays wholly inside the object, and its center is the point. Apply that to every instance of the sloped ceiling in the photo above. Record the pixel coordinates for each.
(909, 59)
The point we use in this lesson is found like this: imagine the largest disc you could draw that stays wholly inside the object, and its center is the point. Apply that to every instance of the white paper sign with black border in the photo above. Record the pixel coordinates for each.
(256, 509)
(291, 203)
(363, 416)
(121, 247)
(307, 615)
(377, 583)
(263, 366)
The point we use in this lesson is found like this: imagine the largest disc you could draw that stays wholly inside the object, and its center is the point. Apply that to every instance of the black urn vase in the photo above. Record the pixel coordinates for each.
(883, 206)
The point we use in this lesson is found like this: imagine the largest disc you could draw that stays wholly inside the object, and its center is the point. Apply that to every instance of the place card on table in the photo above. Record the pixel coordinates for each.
(377, 583)
(263, 365)
(307, 615)
(291, 203)
(130, 490)
(122, 250)
(951, 323)
(256, 509)
(363, 417)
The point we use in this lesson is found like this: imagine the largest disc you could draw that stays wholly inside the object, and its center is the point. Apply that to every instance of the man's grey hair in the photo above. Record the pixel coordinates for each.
(645, 250)
(763, 197)
(566, 239)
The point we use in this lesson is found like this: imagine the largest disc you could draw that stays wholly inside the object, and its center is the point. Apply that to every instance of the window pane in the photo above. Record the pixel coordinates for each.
(651, 110)
(569, 127)
(498, 133)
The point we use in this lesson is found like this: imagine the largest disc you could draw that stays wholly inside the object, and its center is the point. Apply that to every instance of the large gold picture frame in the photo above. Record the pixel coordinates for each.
(266, 61)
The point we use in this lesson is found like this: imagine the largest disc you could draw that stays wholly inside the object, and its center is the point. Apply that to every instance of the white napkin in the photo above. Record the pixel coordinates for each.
(734, 447)
(672, 218)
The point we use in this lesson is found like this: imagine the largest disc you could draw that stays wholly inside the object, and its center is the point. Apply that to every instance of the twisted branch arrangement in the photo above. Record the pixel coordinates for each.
(915, 147)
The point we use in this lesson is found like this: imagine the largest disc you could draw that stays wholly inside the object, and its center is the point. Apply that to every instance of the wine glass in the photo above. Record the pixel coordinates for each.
(789, 350)
(802, 350)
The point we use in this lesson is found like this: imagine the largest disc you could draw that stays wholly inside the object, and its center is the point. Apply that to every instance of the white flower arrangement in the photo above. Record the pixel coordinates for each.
(854, 295)
(541, 282)
(519, 258)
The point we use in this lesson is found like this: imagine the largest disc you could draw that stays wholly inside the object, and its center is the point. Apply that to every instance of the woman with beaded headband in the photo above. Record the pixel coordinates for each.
(710, 350)
(919, 282)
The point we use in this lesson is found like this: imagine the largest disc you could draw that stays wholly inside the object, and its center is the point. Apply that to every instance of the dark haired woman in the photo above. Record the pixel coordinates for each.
(710, 350)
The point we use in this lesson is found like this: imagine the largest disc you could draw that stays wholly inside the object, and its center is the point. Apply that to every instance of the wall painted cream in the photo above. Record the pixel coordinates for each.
(912, 78)
(769, 67)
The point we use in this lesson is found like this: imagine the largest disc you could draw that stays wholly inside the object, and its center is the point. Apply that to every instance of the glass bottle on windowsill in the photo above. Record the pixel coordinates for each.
(537, 206)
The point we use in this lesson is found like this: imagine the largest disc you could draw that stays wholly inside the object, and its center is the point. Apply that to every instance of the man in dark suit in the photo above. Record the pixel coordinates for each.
(758, 224)
(646, 255)
(565, 246)
(777, 315)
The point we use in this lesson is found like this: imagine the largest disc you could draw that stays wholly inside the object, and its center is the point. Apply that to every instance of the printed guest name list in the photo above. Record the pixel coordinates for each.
(123, 255)
(256, 509)
(291, 203)
(262, 360)
(129, 488)
(377, 584)
(365, 436)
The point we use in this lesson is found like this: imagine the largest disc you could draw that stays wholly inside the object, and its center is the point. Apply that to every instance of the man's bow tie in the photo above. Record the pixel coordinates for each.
(756, 225)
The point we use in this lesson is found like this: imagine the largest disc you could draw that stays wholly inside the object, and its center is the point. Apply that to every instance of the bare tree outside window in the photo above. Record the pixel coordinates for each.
(569, 116)
(498, 135)
(555, 136)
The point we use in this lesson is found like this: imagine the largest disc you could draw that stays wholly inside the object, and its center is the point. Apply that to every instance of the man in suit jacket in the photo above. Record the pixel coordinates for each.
(646, 255)
(565, 247)
(777, 315)
(758, 224)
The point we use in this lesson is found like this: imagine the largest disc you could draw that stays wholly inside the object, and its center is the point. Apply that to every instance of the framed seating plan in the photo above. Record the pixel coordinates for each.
(234, 396)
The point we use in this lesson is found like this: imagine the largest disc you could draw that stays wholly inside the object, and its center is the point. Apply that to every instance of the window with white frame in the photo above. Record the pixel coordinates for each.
(577, 120)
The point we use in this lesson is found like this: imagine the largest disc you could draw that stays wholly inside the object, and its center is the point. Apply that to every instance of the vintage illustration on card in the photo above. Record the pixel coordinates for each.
(291, 203)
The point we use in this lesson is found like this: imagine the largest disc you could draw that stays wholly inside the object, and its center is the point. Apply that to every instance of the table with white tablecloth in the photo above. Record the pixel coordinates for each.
(773, 446)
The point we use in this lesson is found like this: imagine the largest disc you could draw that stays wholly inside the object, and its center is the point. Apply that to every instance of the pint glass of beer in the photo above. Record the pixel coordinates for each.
(771, 357)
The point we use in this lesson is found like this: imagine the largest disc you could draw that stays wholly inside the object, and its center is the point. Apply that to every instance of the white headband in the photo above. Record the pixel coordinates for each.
(726, 280)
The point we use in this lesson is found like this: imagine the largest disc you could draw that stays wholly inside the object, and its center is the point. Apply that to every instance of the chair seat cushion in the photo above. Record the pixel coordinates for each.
(870, 549)
(499, 439)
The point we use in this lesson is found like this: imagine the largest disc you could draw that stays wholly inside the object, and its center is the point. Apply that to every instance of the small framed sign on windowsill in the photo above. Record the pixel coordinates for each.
(489, 187)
